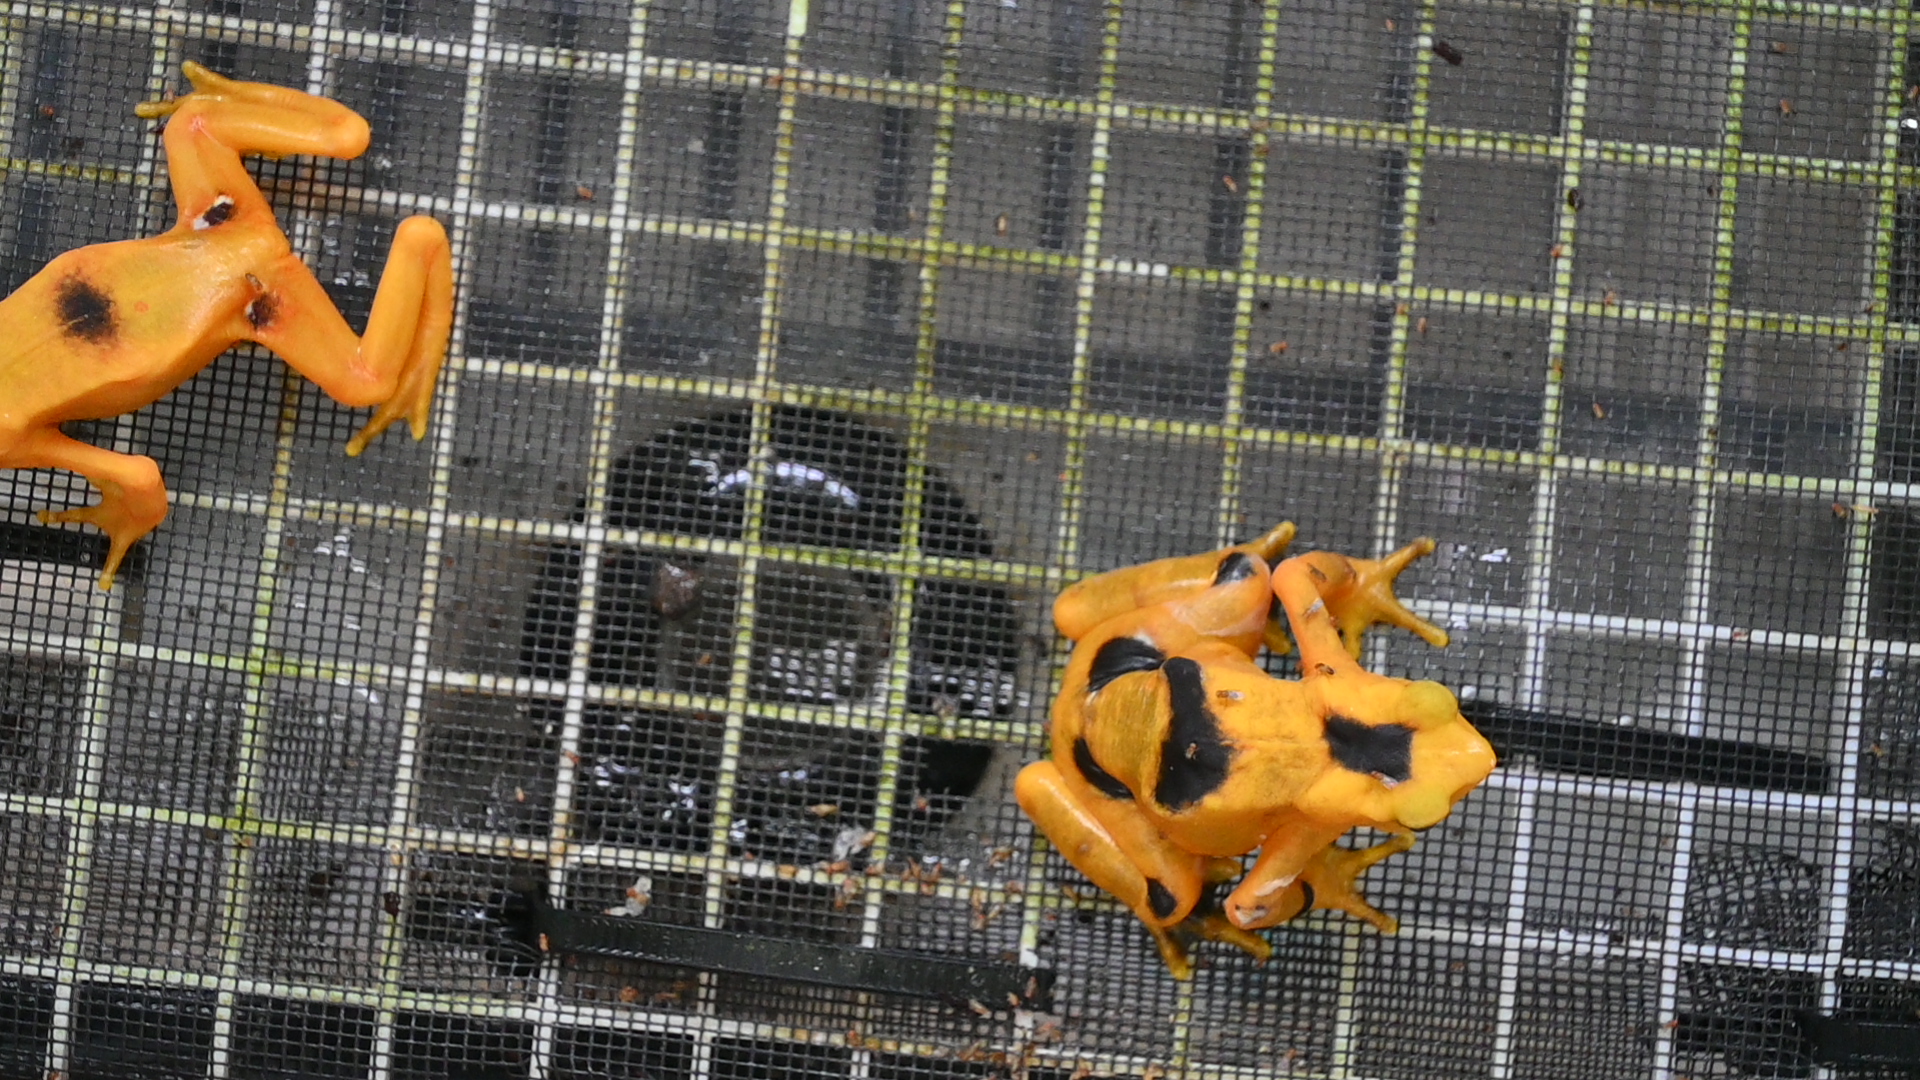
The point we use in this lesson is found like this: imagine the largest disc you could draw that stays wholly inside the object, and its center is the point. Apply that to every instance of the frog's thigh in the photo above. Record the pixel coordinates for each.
(1115, 846)
(296, 318)
(406, 336)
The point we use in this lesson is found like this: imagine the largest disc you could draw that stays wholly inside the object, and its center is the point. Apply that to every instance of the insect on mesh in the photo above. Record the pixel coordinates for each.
(803, 352)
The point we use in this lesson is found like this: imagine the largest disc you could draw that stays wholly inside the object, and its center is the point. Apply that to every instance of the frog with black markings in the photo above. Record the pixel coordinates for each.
(108, 329)
(1175, 754)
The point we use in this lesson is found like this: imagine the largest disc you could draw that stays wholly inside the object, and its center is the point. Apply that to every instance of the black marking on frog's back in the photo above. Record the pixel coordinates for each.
(1383, 750)
(1090, 770)
(85, 311)
(1237, 566)
(1161, 899)
(1194, 759)
(1121, 656)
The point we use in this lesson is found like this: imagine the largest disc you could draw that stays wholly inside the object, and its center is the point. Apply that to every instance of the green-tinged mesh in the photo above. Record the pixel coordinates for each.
(802, 353)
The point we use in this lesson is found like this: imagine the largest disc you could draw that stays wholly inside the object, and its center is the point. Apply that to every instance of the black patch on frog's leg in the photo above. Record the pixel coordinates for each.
(261, 311)
(1235, 567)
(1306, 890)
(218, 214)
(1121, 656)
(1161, 899)
(86, 312)
(1386, 750)
(1194, 759)
(1103, 781)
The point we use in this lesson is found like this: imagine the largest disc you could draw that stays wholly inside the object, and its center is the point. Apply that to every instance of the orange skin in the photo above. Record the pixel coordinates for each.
(108, 329)
(1174, 754)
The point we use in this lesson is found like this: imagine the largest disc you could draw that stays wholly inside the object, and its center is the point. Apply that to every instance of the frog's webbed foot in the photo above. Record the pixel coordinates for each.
(1333, 878)
(1208, 925)
(1332, 600)
(1370, 599)
(133, 499)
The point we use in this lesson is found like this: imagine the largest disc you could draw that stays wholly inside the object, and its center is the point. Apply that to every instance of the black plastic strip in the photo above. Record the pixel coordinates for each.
(39, 543)
(1569, 744)
(881, 971)
(1881, 1043)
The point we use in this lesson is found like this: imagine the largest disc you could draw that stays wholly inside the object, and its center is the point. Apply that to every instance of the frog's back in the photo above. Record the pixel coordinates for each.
(107, 329)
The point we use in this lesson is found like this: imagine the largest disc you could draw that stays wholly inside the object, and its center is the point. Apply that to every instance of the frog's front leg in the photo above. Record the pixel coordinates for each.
(396, 363)
(133, 500)
(1121, 852)
(1327, 880)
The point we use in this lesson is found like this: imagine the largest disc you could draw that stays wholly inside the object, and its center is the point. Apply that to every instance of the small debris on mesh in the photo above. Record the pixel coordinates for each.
(1232, 184)
(585, 192)
(849, 889)
(639, 895)
(629, 994)
(1784, 48)
(1574, 201)
(1000, 225)
(824, 809)
(676, 589)
(1449, 53)
(1422, 326)
(1612, 299)
(1277, 348)
(1599, 411)
(1559, 250)
(849, 840)
(1786, 107)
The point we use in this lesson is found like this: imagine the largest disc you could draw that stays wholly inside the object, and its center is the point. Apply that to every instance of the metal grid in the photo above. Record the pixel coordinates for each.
(1205, 224)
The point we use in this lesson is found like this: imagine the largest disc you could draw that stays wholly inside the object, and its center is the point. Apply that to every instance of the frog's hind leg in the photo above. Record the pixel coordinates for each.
(1161, 895)
(133, 498)
(1092, 601)
(396, 363)
(1332, 600)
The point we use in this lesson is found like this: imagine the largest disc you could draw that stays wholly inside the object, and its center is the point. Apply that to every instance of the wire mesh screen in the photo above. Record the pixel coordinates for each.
(803, 352)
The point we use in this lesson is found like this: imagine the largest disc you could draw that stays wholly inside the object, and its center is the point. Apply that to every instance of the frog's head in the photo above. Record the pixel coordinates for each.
(1400, 754)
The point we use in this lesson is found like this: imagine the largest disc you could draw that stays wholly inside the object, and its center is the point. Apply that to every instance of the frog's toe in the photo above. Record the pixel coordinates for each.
(1173, 953)
(1215, 926)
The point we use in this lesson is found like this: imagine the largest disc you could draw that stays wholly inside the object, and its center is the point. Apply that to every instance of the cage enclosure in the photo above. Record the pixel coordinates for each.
(656, 715)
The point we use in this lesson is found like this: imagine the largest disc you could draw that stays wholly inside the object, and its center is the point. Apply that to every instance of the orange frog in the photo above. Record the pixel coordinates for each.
(1174, 754)
(107, 329)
